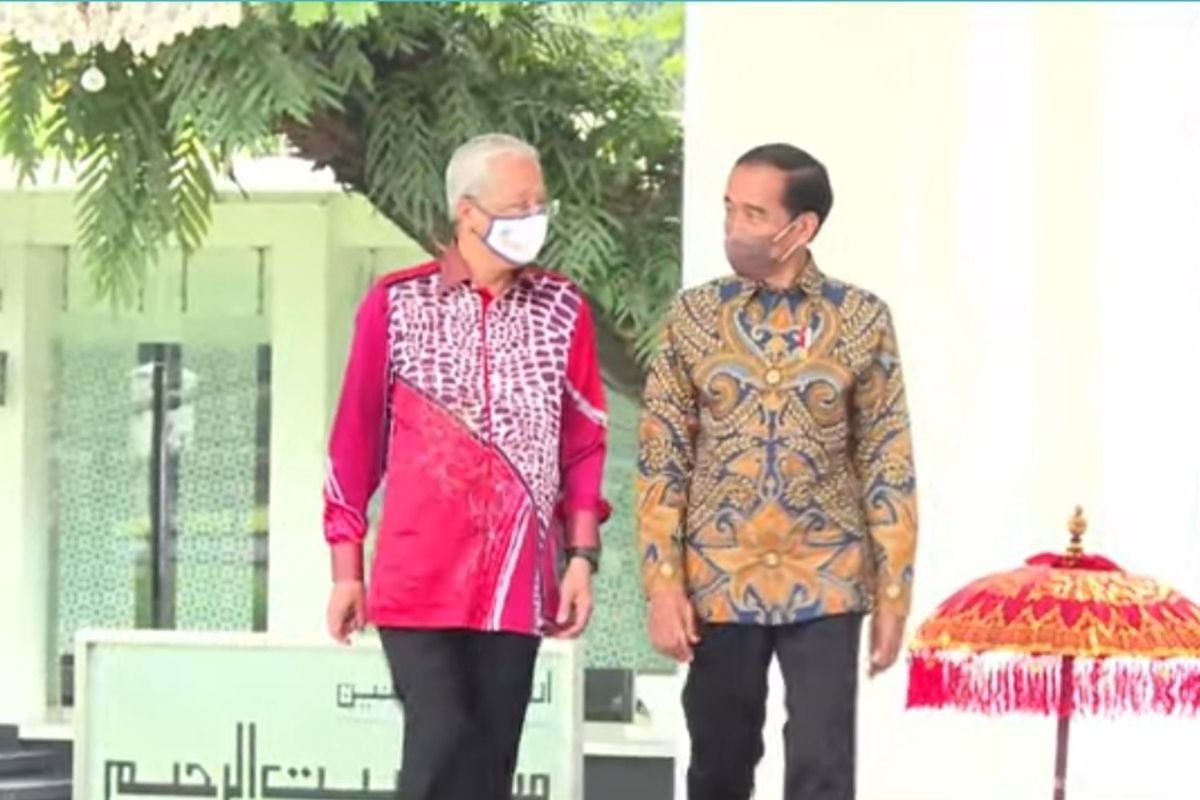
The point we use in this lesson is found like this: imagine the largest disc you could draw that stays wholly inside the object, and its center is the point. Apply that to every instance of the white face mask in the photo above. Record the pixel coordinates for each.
(518, 240)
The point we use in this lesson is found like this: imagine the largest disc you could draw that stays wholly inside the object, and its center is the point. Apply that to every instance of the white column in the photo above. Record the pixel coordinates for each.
(28, 279)
(305, 285)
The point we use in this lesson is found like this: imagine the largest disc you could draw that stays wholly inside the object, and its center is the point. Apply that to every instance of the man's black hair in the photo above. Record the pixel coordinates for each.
(807, 187)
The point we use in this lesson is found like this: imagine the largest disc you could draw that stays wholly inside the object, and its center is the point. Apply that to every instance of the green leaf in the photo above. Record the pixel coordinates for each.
(350, 64)
(192, 193)
(354, 14)
(492, 13)
(308, 14)
(22, 107)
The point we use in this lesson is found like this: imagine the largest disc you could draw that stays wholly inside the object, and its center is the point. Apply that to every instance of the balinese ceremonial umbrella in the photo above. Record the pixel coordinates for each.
(1063, 635)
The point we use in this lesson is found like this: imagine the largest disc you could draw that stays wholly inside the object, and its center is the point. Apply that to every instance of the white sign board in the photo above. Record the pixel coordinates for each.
(165, 714)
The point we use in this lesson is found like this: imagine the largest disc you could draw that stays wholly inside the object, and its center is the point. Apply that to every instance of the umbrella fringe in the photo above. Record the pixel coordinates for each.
(1001, 683)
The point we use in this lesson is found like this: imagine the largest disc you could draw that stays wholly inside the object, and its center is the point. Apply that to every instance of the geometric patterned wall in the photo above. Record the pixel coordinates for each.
(616, 638)
(99, 497)
(217, 506)
(102, 473)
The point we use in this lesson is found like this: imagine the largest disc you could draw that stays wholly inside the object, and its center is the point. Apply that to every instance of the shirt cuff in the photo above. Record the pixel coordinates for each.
(893, 596)
(581, 526)
(595, 504)
(346, 560)
(663, 574)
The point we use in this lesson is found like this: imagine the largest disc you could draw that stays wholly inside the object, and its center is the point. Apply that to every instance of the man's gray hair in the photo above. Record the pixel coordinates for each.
(470, 167)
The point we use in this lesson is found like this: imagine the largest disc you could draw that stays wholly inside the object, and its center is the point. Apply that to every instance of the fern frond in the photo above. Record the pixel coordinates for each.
(26, 82)
(192, 192)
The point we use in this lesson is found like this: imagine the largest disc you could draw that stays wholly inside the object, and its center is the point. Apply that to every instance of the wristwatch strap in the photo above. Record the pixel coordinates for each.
(588, 554)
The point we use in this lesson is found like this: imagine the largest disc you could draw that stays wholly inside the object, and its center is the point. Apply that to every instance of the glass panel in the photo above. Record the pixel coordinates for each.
(223, 451)
(99, 502)
(161, 449)
(219, 427)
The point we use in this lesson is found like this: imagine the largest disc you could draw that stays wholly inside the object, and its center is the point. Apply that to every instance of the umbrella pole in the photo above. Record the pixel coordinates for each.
(1065, 708)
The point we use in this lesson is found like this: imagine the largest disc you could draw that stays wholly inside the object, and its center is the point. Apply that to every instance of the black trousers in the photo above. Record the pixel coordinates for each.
(725, 697)
(464, 695)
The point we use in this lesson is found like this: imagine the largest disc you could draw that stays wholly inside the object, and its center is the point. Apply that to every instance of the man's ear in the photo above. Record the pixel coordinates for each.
(464, 212)
(810, 225)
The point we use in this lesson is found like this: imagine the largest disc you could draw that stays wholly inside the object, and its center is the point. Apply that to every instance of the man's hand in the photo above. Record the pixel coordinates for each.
(672, 624)
(887, 634)
(347, 610)
(575, 599)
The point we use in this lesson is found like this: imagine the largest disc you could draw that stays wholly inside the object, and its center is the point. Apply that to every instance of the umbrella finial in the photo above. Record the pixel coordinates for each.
(1077, 527)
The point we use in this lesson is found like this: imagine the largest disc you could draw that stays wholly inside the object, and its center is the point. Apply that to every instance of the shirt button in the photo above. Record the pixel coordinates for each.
(771, 559)
(892, 592)
(667, 570)
(772, 377)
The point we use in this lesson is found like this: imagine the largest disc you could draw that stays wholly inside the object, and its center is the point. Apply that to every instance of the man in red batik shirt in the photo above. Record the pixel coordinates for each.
(473, 394)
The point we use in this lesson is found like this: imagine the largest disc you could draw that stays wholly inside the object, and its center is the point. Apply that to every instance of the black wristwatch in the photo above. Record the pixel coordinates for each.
(588, 554)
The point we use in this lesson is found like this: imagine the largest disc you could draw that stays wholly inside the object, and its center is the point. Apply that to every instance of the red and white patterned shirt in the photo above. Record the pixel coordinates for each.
(484, 418)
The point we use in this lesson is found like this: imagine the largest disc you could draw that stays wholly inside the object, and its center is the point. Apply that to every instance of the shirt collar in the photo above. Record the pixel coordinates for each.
(453, 272)
(810, 281)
